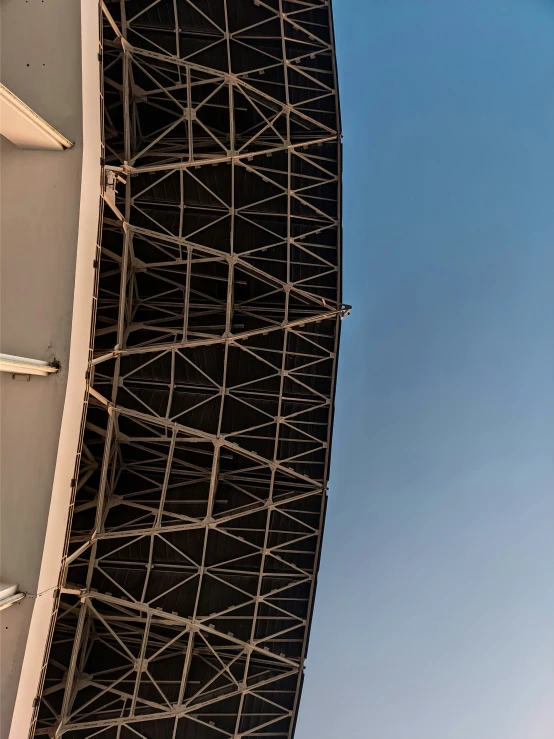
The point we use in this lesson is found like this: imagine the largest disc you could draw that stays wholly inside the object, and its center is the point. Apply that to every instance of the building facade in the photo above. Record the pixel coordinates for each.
(49, 193)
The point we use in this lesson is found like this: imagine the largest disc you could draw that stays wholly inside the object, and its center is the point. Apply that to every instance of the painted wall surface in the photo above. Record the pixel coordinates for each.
(47, 243)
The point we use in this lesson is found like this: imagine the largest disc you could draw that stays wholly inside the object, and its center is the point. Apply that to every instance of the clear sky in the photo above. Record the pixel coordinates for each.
(435, 610)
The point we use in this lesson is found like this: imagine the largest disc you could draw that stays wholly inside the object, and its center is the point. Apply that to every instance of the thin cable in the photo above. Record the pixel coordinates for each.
(37, 595)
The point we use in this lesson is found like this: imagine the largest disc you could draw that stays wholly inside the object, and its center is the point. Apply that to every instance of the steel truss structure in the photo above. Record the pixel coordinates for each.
(187, 587)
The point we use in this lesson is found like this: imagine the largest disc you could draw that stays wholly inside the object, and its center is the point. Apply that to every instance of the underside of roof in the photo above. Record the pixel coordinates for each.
(187, 588)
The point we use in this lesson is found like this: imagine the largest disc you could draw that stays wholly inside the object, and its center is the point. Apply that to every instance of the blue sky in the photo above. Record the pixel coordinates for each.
(435, 609)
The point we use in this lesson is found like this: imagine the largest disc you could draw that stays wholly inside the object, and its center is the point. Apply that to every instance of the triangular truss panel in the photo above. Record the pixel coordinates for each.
(188, 581)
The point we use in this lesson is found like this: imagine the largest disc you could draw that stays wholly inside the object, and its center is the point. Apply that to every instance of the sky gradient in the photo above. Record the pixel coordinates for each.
(435, 608)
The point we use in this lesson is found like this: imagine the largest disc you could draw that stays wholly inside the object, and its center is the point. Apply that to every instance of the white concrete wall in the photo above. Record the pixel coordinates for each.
(48, 226)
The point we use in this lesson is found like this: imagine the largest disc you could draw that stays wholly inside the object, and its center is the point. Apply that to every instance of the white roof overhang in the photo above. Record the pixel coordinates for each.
(26, 129)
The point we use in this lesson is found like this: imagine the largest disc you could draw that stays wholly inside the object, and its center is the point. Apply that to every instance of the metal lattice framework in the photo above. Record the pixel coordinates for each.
(187, 587)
